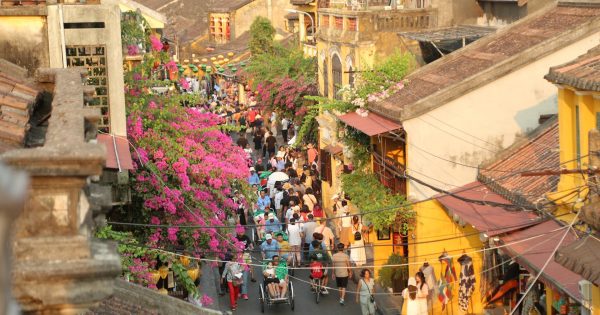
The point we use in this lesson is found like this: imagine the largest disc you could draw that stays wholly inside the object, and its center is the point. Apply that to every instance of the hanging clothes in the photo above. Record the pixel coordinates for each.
(467, 282)
(447, 277)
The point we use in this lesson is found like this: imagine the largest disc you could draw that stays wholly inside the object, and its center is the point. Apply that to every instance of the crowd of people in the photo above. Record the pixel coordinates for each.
(291, 227)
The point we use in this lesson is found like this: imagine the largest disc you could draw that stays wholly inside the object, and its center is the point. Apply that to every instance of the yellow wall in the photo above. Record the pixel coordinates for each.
(568, 102)
(595, 300)
(433, 223)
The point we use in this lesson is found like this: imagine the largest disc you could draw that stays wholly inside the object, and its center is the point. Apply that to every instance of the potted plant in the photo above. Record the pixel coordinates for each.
(394, 276)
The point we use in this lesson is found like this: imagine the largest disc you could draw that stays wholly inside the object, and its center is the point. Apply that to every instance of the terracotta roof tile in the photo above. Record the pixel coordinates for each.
(17, 99)
(486, 54)
(539, 150)
(582, 73)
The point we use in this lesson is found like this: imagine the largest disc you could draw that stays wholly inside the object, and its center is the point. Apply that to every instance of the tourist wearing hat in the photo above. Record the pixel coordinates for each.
(253, 179)
(269, 247)
(272, 224)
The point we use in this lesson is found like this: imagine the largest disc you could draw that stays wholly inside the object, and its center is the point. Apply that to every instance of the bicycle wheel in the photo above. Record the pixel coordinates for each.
(261, 297)
(318, 290)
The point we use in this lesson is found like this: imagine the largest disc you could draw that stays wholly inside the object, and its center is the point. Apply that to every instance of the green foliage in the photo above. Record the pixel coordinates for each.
(281, 62)
(358, 143)
(132, 254)
(385, 74)
(389, 274)
(134, 29)
(380, 206)
(262, 34)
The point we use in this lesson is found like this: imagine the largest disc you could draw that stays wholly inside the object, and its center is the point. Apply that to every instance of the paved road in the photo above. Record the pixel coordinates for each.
(304, 300)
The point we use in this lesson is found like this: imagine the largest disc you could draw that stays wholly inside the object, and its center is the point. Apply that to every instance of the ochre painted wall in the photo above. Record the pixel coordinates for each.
(24, 41)
(433, 223)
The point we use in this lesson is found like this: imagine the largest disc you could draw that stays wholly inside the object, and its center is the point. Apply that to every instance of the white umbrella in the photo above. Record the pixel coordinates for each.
(276, 177)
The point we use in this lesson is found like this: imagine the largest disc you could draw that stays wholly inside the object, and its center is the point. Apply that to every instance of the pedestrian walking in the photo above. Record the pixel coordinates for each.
(344, 227)
(295, 234)
(422, 293)
(341, 271)
(284, 129)
(366, 289)
(233, 274)
(357, 249)
(410, 296)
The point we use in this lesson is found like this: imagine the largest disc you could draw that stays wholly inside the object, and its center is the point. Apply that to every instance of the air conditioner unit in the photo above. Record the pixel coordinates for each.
(585, 287)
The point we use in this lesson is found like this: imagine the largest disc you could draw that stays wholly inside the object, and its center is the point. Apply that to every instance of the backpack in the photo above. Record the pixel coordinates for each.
(285, 200)
(357, 236)
(316, 270)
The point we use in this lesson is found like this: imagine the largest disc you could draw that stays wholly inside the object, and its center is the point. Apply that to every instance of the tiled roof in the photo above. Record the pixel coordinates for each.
(17, 99)
(188, 18)
(582, 73)
(498, 54)
(537, 151)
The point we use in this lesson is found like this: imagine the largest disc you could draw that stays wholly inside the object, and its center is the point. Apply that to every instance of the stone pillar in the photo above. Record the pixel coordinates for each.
(59, 268)
(13, 190)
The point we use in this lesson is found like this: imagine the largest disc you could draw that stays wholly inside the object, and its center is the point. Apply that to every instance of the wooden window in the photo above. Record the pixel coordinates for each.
(339, 23)
(324, 20)
(326, 175)
(336, 73)
(94, 59)
(352, 25)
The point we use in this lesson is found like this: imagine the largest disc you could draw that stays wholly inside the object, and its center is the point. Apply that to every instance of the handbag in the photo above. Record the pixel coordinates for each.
(371, 297)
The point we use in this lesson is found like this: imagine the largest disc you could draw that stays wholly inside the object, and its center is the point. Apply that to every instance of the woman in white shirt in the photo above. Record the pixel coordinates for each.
(422, 293)
(344, 227)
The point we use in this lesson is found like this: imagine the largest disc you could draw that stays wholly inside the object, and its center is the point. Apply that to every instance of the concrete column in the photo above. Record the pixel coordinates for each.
(54, 37)
(114, 58)
(301, 27)
(59, 268)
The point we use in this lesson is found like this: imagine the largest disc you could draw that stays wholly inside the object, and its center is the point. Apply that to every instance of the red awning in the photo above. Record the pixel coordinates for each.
(371, 125)
(487, 219)
(121, 159)
(532, 254)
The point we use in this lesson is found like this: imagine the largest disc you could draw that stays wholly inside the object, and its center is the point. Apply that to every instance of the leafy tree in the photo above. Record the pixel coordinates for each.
(379, 205)
(262, 34)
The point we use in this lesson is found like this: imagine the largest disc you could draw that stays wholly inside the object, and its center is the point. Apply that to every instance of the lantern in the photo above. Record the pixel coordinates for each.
(194, 273)
(184, 260)
(163, 271)
(163, 291)
(154, 276)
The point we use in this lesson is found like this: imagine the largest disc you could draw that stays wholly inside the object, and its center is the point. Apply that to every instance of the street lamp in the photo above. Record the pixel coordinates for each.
(310, 16)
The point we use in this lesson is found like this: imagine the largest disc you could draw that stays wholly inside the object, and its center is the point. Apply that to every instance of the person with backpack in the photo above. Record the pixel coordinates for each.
(320, 255)
(357, 249)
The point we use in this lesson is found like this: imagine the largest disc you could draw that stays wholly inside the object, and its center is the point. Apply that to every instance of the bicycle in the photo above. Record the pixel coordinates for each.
(317, 286)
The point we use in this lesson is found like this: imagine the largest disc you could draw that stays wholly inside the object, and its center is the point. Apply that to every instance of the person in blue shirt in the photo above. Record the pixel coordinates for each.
(272, 224)
(269, 247)
(264, 202)
(253, 179)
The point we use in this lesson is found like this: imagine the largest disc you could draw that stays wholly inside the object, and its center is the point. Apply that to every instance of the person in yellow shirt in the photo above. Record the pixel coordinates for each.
(284, 248)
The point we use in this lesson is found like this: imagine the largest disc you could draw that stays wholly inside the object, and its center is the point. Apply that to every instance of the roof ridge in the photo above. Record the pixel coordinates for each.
(521, 142)
(520, 50)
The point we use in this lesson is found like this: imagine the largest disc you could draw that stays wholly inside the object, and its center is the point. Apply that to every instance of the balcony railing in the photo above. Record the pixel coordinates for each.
(12, 3)
(366, 4)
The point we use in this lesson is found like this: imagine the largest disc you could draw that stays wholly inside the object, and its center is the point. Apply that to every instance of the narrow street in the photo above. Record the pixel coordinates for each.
(303, 297)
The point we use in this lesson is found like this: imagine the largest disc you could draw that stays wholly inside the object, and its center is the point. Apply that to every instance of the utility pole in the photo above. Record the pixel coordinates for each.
(590, 213)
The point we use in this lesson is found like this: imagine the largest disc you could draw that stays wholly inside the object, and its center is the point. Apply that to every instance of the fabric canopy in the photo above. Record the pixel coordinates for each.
(371, 125)
(582, 257)
(532, 253)
(119, 159)
(485, 218)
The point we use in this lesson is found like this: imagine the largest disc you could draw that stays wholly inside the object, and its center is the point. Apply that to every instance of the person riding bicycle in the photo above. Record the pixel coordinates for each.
(316, 271)
(321, 255)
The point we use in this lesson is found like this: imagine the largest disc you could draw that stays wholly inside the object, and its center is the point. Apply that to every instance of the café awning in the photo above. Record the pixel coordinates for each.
(533, 246)
(371, 124)
(582, 257)
(118, 155)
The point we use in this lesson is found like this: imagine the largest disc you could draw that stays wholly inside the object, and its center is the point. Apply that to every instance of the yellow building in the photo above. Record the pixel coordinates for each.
(578, 85)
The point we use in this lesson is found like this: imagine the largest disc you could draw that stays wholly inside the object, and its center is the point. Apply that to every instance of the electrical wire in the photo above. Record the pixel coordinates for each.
(551, 257)
(529, 238)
